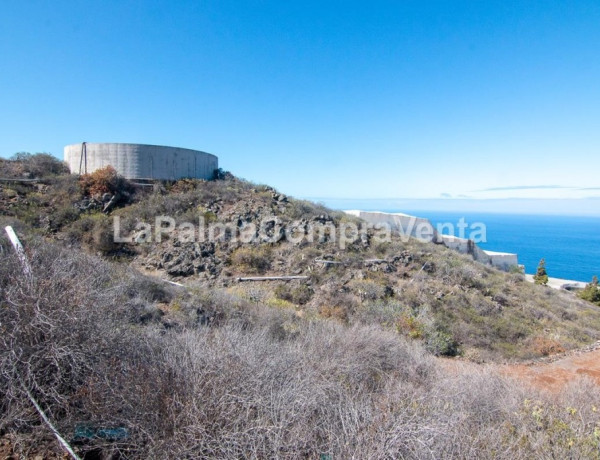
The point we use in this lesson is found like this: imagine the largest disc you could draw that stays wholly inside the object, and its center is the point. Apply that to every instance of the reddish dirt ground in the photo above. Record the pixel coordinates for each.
(551, 374)
(556, 375)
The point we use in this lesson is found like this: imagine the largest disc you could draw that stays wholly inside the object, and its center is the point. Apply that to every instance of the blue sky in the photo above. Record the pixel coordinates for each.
(333, 99)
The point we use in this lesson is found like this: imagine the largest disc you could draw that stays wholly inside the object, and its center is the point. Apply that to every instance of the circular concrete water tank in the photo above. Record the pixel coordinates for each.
(141, 161)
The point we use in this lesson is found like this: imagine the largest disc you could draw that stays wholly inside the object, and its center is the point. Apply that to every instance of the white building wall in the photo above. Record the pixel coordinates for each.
(502, 260)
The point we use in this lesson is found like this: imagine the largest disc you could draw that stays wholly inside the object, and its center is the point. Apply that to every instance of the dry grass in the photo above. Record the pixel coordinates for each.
(463, 306)
(253, 382)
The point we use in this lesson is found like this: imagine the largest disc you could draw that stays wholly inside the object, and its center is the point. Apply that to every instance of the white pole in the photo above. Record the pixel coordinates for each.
(65, 445)
(14, 239)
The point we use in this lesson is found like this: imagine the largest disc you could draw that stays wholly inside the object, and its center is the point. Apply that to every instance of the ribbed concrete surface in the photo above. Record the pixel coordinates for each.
(140, 161)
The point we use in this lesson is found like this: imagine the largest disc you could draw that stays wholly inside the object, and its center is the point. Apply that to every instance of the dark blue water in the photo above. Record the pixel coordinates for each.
(570, 245)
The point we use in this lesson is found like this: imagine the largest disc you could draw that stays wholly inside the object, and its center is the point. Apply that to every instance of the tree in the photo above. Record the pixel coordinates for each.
(541, 276)
(591, 293)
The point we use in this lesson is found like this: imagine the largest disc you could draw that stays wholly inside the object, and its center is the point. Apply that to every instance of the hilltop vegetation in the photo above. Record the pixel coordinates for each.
(421, 291)
(339, 365)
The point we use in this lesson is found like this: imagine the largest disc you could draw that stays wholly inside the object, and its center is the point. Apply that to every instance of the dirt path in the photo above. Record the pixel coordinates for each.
(552, 374)
(556, 375)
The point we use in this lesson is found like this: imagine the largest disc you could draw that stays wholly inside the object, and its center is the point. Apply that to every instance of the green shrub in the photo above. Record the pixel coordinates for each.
(441, 343)
(591, 293)
(95, 232)
(541, 277)
(299, 295)
(63, 216)
(409, 325)
(102, 235)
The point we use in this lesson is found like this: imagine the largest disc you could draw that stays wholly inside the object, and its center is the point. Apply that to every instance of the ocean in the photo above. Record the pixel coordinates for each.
(570, 245)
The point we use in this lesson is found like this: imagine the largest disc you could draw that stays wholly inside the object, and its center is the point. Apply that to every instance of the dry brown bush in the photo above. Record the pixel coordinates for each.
(104, 180)
(254, 383)
(334, 312)
(546, 346)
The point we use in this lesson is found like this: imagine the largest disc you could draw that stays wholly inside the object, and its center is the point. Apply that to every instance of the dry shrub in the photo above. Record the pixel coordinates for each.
(334, 312)
(384, 312)
(283, 399)
(410, 326)
(252, 259)
(63, 330)
(298, 295)
(101, 181)
(95, 232)
(39, 165)
(546, 346)
(255, 383)
(368, 289)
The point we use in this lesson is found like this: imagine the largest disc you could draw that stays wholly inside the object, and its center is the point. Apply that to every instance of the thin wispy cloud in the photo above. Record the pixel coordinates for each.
(524, 187)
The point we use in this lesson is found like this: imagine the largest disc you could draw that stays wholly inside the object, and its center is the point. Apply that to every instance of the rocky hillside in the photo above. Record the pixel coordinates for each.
(335, 363)
(422, 291)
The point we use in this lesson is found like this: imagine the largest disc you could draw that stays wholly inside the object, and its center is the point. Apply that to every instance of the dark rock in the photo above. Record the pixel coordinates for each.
(429, 267)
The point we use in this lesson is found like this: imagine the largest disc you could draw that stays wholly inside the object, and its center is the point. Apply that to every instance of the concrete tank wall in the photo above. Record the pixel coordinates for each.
(140, 161)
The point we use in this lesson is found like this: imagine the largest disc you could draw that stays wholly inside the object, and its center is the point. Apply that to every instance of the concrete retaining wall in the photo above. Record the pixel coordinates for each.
(502, 260)
(423, 229)
(140, 161)
(404, 224)
(461, 245)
